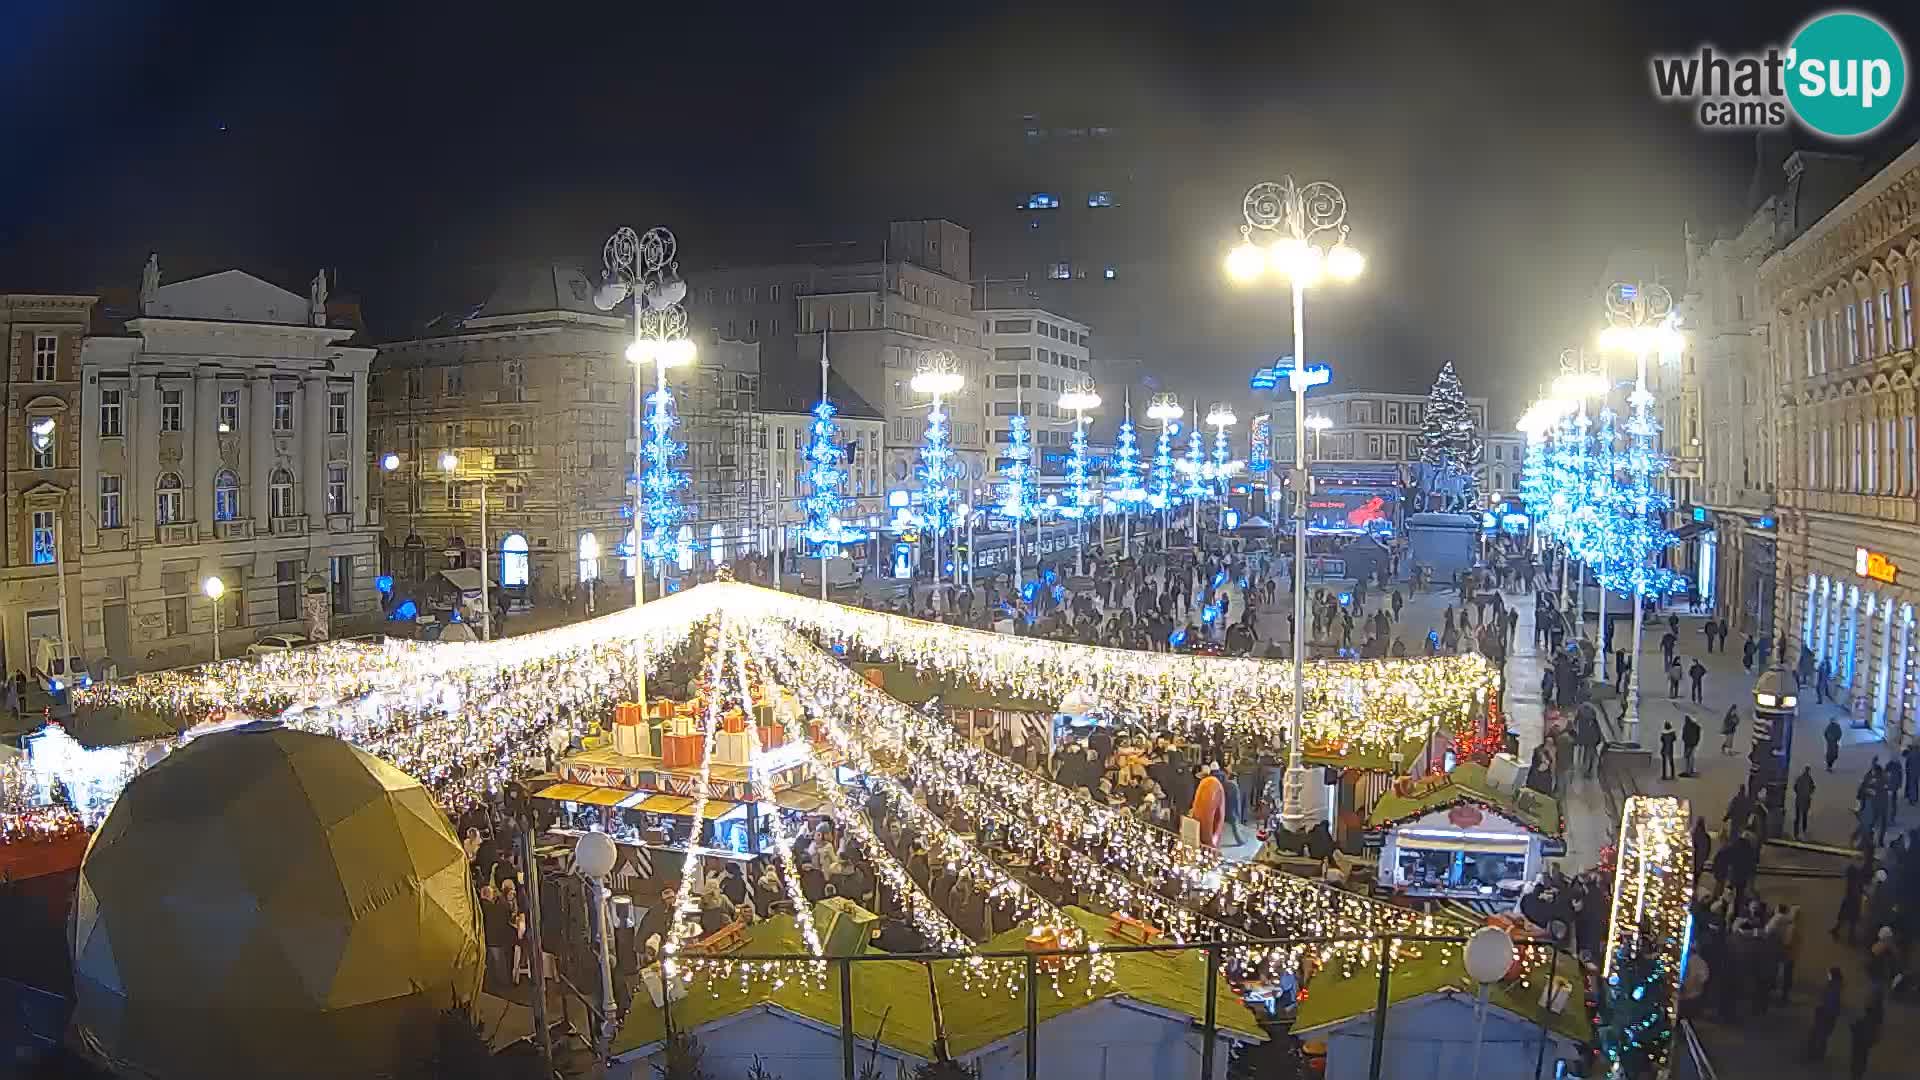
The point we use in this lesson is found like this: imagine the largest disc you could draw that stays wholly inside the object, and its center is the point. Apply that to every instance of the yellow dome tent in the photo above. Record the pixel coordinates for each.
(267, 901)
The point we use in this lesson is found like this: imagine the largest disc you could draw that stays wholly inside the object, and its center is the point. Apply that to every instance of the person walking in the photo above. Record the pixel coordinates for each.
(1667, 738)
(1697, 672)
(1673, 676)
(1746, 654)
(1802, 801)
(1669, 641)
(1729, 725)
(1826, 1016)
(1702, 847)
(1866, 1032)
(1832, 734)
(1821, 686)
(1689, 741)
(1912, 770)
(1892, 781)
(1622, 668)
(1852, 895)
(1587, 734)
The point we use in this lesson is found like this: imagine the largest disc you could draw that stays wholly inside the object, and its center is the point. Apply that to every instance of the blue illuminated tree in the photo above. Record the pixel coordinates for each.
(1643, 534)
(1194, 465)
(826, 472)
(1536, 482)
(936, 472)
(1077, 497)
(1018, 496)
(1601, 500)
(1164, 496)
(1125, 470)
(661, 507)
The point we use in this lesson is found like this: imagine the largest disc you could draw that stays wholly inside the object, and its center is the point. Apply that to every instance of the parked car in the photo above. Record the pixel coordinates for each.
(50, 670)
(277, 643)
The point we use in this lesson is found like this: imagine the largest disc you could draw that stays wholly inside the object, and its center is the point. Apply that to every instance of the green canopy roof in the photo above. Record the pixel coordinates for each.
(1468, 783)
(1333, 997)
(902, 683)
(897, 992)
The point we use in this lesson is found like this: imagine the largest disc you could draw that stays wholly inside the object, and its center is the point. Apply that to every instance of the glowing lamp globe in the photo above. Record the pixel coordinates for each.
(594, 854)
(678, 353)
(936, 382)
(609, 294)
(214, 588)
(1489, 954)
(1079, 400)
(1344, 263)
(640, 351)
(1246, 262)
(271, 902)
(449, 461)
(1221, 416)
(390, 462)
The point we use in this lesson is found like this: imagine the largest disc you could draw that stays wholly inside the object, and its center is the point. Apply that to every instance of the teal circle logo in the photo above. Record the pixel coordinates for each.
(1847, 74)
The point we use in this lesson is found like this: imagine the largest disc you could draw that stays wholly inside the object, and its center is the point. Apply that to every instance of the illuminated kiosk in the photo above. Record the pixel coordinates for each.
(1459, 836)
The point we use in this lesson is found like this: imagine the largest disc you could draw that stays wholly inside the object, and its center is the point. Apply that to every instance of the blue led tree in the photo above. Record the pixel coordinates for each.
(1077, 496)
(1125, 470)
(1194, 465)
(1164, 496)
(827, 474)
(1018, 498)
(936, 473)
(662, 510)
(1642, 533)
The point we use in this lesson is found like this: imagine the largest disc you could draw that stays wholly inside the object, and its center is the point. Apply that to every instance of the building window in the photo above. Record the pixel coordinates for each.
(280, 493)
(226, 496)
(1853, 336)
(1060, 271)
(167, 500)
(453, 496)
(286, 588)
(43, 547)
(109, 502)
(513, 560)
(283, 410)
(1041, 200)
(43, 442)
(1866, 328)
(336, 489)
(229, 411)
(1872, 457)
(516, 373)
(337, 401)
(109, 414)
(1817, 352)
(340, 573)
(1909, 450)
(172, 409)
(46, 358)
(456, 377)
(1906, 315)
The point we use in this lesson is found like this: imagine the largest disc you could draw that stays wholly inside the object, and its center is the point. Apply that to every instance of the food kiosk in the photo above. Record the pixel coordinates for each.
(1457, 835)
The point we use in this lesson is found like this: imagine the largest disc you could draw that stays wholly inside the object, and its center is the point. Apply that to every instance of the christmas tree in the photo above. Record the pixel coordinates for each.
(1536, 485)
(1601, 502)
(1017, 495)
(826, 472)
(1642, 534)
(936, 472)
(662, 482)
(1164, 496)
(1636, 1024)
(1078, 498)
(1448, 436)
(1125, 470)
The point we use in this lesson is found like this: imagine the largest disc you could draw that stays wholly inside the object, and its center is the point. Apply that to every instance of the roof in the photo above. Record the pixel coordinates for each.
(916, 688)
(896, 993)
(795, 388)
(1468, 783)
(1333, 996)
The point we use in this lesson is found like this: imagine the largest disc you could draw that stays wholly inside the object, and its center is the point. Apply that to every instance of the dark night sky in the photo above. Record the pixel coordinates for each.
(1492, 154)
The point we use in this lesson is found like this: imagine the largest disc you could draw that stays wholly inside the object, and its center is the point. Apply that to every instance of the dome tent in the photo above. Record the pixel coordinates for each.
(271, 902)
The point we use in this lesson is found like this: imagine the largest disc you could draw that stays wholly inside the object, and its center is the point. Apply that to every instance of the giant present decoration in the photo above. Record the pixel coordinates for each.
(629, 729)
(730, 747)
(734, 722)
(771, 736)
(681, 751)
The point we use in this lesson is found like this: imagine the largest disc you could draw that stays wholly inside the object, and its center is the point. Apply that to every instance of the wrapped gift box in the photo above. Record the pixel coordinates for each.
(661, 709)
(680, 751)
(817, 732)
(730, 748)
(734, 722)
(654, 732)
(629, 729)
(772, 735)
(683, 725)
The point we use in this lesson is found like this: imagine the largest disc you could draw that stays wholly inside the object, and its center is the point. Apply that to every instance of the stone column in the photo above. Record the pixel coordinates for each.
(259, 463)
(204, 418)
(141, 422)
(357, 461)
(313, 456)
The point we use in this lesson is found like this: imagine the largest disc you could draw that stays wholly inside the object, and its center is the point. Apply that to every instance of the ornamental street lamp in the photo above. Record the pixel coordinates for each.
(645, 268)
(1640, 321)
(939, 377)
(1318, 423)
(1164, 409)
(1220, 417)
(214, 588)
(1077, 401)
(1300, 220)
(450, 464)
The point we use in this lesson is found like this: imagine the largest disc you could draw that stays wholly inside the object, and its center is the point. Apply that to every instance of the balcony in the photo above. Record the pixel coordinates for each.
(236, 529)
(339, 523)
(176, 535)
(113, 539)
(290, 526)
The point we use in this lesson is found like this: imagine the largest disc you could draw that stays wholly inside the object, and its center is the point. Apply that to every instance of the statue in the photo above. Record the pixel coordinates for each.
(150, 283)
(317, 299)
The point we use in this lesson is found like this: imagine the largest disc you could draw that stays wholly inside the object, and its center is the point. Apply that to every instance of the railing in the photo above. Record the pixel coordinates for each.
(1037, 967)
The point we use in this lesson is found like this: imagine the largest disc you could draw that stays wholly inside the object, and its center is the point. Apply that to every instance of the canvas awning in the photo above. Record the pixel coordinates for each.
(583, 793)
(466, 578)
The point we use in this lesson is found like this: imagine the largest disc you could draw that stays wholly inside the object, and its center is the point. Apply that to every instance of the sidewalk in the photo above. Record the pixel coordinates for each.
(1771, 1046)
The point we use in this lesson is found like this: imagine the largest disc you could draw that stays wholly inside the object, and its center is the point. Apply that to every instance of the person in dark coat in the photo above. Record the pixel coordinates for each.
(1689, 742)
(1826, 1016)
(1866, 1032)
(1696, 673)
(1667, 738)
(1832, 734)
(1853, 892)
(1702, 846)
(1892, 782)
(1802, 801)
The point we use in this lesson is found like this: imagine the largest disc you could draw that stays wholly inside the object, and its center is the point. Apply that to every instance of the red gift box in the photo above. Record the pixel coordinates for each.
(734, 722)
(817, 732)
(772, 735)
(681, 751)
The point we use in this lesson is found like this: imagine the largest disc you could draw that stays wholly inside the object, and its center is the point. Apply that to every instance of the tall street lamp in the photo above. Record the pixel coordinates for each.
(1220, 417)
(1077, 401)
(1640, 322)
(1318, 423)
(1164, 410)
(450, 464)
(214, 588)
(1299, 220)
(939, 377)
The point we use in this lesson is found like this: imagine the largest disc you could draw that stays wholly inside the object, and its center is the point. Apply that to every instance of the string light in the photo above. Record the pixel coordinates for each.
(663, 482)
(1652, 913)
(827, 473)
(1125, 467)
(1018, 501)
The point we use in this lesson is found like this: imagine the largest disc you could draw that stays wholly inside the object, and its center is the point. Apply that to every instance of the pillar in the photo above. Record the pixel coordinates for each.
(203, 421)
(312, 427)
(260, 454)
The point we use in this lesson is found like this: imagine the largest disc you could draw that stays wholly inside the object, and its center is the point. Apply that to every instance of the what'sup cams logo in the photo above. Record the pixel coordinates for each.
(1843, 75)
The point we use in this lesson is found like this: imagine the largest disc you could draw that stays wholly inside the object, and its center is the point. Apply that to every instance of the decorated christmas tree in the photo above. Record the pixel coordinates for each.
(826, 472)
(1164, 495)
(663, 481)
(936, 472)
(1017, 495)
(1642, 533)
(1536, 483)
(1448, 437)
(1124, 469)
(1602, 497)
(1078, 498)
(1636, 1024)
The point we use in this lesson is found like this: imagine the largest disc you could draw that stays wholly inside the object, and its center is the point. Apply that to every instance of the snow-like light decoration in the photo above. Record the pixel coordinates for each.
(661, 512)
(1601, 498)
(1019, 499)
(1195, 467)
(1125, 468)
(1536, 482)
(1165, 496)
(827, 473)
(936, 472)
(1079, 499)
(1642, 535)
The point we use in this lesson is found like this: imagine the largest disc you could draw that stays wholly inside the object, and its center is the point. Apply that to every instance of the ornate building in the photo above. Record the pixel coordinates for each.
(1840, 298)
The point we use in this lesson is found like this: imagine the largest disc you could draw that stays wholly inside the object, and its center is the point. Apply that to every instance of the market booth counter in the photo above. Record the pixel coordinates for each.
(1462, 836)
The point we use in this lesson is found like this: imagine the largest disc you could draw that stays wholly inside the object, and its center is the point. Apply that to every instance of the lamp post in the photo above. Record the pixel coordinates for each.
(593, 857)
(1220, 417)
(1164, 409)
(938, 376)
(450, 463)
(1299, 219)
(1077, 401)
(1640, 321)
(214, 588)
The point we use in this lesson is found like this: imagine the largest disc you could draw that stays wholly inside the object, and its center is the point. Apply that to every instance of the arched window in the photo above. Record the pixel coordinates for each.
(633, 552)
(280, 493)
(684, 544)
(513, 560)
(226, 495)
(167, 499)
(589, 556)
(745, 547)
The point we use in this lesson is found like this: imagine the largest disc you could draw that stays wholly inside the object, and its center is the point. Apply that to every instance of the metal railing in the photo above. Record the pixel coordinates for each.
(1036, 969)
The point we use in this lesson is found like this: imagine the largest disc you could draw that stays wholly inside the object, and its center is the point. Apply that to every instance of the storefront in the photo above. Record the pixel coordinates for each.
(1457, 836)
(1860, 625)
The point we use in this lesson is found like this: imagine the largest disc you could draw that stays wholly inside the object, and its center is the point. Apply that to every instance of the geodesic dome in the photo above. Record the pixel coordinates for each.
(267, 901)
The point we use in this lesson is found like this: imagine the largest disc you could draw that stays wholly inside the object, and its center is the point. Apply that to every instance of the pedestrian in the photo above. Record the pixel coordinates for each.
(1802, 801)
(1729, 724)
(1697, 672)
(1892, 783)
(1668, 642)
(1622, 668)
(1832, 734)
(1866, 1032)
(1746, 654)
(1689, 741)
(1667, 737)
(1826, 1016)
(1702, 846)
(1912, 770)
(1673, 676)
(1783, 930)
(1852, 895)
(1821, 687)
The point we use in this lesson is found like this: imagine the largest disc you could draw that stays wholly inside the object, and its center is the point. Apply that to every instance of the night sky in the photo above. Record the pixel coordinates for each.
(1492, 154)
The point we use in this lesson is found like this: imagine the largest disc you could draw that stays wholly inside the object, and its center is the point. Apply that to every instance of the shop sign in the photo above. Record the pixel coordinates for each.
(1875, 565)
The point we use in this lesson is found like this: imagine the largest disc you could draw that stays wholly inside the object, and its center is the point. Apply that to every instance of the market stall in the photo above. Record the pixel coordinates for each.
(1458, 835)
